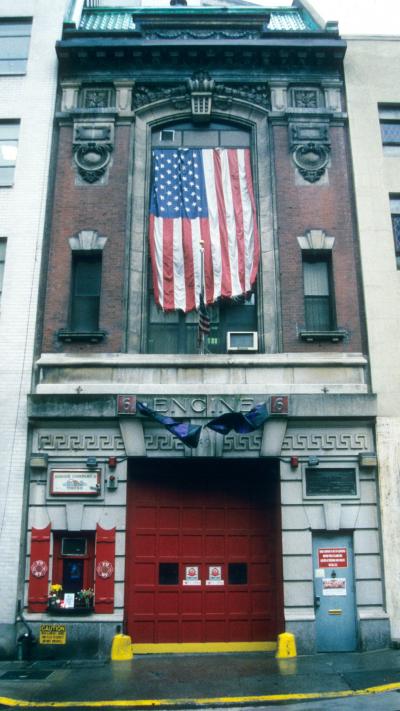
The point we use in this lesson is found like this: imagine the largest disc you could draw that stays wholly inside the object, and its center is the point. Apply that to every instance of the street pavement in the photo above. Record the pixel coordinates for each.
(323, 682)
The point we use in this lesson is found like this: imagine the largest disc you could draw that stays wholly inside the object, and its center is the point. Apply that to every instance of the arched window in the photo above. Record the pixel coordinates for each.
(223, 240)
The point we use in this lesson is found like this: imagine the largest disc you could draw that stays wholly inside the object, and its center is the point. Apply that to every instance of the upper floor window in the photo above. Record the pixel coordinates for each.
(395, 212)
(14, 45)
(85, 296)
(203, 237)
(318, 301)
(8, 151)
(389, 118)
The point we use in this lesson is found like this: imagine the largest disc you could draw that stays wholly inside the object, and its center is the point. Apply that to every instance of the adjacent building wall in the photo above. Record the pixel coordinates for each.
(29, 99)
(372, 68)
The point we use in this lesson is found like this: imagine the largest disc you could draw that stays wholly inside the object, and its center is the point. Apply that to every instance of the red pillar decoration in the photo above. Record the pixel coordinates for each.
(38, 591)
(105, 570)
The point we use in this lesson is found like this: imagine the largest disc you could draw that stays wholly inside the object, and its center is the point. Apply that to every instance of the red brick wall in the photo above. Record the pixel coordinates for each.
(88, 207)
(302, 206)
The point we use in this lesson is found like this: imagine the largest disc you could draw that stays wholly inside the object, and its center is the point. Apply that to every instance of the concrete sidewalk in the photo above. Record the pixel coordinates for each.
(202, 679)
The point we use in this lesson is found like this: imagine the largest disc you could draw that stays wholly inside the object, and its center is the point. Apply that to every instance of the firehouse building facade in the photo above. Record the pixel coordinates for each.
(256, 529)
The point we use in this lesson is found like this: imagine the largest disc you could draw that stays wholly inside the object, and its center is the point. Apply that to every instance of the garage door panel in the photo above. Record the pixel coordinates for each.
(191, 601)
(215, 630)
(238, 547)
(215, 546)
(145, 602)
(260, 573)
(192, 546)
(145, 545)
(238, 519)
(215, 519)
(168, 518)
(214, 602)
(168, 602)
(167, 631)
(192, 631)
(168, 545)
(145, 517)
(145, 574)
(192, 518)
(238, 602)
(238, 630)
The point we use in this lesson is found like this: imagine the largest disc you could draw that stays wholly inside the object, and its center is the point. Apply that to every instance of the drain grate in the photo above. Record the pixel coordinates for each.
(23, 675)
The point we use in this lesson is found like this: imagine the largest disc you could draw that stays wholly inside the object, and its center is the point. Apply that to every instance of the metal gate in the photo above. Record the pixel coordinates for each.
(203, 552)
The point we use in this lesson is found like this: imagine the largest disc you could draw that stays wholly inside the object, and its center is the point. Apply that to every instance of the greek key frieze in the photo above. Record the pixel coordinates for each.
(242, 443)
(327, 442)
(80, 442)
(163, 441)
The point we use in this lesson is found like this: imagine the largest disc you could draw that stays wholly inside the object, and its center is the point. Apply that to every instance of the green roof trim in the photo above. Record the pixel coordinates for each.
(107, 20)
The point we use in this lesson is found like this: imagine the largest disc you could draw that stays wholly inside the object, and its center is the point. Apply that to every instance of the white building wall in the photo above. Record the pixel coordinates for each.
(372, 68)
(30, 99)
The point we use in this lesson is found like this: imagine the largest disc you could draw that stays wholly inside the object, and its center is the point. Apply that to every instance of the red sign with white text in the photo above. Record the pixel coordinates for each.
(332, 557)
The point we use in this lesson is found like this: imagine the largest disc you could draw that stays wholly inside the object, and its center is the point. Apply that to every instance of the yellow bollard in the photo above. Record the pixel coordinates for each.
(286, 646)
(121, 648)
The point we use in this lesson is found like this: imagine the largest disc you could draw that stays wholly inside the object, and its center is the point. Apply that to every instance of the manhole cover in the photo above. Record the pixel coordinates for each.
(27, 674)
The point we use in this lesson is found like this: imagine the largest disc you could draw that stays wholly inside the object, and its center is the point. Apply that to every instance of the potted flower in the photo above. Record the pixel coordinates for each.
(55, 596)
(84, 598)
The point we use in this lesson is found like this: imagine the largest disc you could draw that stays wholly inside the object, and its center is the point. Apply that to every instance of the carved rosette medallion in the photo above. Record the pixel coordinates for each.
(92, 160)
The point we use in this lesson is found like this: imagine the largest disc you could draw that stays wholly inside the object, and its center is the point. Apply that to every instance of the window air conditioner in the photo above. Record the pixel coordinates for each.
(242, 341)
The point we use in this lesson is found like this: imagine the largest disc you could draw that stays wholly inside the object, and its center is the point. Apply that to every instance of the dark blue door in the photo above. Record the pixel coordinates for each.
(335, 609)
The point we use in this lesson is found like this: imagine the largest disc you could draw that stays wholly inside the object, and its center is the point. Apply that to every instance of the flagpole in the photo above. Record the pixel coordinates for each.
(201, 333)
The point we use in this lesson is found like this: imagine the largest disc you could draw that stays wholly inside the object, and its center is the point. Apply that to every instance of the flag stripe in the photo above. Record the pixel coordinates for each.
(234, 170)
(208, 162)
(179, 296)
(168, 263)
(226, 284)
(253, 243)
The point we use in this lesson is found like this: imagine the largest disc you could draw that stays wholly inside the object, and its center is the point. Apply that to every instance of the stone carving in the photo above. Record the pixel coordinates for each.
(79, 442)
(310, 146)
(253, 93)
(96, 98)
(202, 34)
(326, 441)
(305, 98)
(148, 95)
(311, 161)
(92, 148)
(163, 441)
(242, 443)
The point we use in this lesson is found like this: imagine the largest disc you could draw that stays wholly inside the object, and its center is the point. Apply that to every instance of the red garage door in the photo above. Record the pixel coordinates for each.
(203, 552)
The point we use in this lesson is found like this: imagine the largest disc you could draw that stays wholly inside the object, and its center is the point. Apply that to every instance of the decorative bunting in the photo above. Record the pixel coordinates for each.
(187, 433)
(240, 423)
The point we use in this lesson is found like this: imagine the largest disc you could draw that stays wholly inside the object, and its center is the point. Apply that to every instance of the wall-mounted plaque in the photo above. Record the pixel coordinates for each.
(75, 482)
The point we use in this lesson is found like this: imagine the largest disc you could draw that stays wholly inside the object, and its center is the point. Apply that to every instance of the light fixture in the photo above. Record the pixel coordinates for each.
(38, 461)
(91, 462)
(367, 459)
(312, 461)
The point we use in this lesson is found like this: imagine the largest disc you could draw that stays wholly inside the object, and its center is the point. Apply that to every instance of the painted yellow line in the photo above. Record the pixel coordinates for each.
(142, 703)
(203, 648)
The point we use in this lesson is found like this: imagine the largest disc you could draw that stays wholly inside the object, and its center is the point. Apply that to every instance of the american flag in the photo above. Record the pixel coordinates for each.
(202, 196)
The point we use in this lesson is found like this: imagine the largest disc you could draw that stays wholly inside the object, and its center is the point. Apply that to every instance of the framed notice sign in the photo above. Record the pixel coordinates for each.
(75, 482)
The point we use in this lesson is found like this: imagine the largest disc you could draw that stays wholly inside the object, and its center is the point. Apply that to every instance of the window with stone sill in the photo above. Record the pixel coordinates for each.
(15, 36)
(9, 131)
(389, 119)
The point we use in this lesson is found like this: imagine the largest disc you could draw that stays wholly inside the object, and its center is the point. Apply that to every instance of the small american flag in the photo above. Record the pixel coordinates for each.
(202, 196)
(204, 318)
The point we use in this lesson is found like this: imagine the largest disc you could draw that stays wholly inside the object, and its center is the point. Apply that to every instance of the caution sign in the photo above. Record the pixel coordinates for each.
(53, 634)
(332, 557)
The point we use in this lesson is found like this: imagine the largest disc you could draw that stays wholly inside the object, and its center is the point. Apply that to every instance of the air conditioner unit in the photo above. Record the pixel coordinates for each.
(242, 341)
